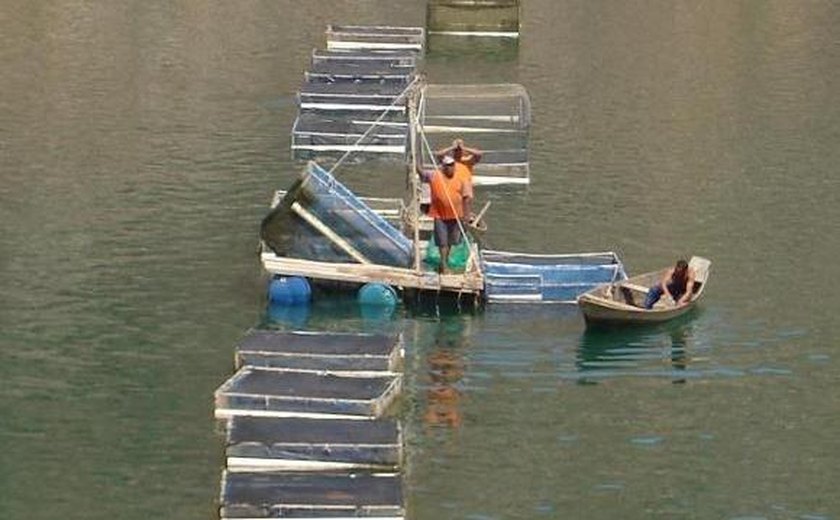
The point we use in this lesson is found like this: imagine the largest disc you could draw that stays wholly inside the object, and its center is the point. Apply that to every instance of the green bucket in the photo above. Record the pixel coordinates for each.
(458, 256)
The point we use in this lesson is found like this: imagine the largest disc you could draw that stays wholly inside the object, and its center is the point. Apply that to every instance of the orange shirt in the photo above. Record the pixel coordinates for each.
(463, 170)
(447, 195)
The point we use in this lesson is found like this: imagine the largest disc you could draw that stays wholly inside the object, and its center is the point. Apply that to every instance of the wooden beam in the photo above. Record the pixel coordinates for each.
(322, 228)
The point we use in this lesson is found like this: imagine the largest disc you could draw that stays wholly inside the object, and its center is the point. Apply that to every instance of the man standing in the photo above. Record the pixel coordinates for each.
(451, 197)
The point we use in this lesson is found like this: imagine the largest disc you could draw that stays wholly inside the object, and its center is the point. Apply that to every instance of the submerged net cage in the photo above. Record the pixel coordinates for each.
(529, 278)
(473, 17)
(493, 118)
(320, 219)
(375, 37)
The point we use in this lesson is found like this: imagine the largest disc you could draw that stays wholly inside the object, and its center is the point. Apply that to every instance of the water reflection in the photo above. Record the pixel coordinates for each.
(445, 367)
(657, 351)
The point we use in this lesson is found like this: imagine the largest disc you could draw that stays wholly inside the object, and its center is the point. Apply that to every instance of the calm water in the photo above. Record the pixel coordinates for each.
(139, 146)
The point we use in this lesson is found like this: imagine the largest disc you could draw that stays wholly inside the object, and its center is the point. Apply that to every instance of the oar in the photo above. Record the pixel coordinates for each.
(475, 225)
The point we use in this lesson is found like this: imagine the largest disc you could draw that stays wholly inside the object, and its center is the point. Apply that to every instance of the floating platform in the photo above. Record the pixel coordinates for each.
(297, 444)
(322, 231)
(533, 278)
(375, 38)
(268, 392)
(335, 497)
(320, 351)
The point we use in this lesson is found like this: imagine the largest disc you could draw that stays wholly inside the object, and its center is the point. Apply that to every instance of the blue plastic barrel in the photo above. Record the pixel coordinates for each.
(378, 294)
(289, 290)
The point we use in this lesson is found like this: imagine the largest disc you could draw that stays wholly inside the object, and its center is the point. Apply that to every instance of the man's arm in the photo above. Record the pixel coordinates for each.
(473, 155)
(467, 197)
(689, 288)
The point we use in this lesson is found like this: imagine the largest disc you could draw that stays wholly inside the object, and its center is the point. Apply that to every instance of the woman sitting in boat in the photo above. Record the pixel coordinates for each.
(676, 283)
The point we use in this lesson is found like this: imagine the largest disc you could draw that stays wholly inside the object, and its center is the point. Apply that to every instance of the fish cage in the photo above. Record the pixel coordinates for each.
(493, 18)
(494, 118)
(535, 278)
(272, 392)
(352, 97)
(301, 444)
(335, 72)
(315, 134)
(253, 495)
(359, 37)
(330, 351)
(378, 58)
(319, 219)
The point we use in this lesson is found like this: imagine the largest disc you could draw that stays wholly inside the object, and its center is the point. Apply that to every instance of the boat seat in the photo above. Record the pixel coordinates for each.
(635, 287)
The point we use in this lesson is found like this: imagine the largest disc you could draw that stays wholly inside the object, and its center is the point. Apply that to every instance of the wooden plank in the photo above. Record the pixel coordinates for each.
(472, 282)
(322, 228)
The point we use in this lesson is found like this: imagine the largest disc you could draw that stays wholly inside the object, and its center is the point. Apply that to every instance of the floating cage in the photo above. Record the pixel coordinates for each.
(356, 37)
(266, 392)
(497, 18)
(494, 118)
(379, 58)
(530, 278)
(300, 444)
(352, 97)
(284, 495)
(316, 134)
(328, 351)
(335, 72)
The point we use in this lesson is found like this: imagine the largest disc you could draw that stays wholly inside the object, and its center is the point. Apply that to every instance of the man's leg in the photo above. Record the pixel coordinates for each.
(442, 241)
(653, 296)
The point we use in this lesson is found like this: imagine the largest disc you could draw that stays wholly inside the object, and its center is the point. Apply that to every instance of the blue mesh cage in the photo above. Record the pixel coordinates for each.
(547, 278)
(350, 218)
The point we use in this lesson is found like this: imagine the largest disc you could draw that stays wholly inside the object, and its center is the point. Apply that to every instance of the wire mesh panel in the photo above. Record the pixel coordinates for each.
(519, 277)
(340, 211)
(493, 118)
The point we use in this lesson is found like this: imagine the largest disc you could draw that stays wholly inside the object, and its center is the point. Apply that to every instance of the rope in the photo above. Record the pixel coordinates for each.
(375, 123)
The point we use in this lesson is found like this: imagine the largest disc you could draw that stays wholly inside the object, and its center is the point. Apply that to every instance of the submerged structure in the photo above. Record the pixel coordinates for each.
(486, 18)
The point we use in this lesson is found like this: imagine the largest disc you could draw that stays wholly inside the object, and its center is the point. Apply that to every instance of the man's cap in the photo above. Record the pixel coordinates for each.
(447, 160)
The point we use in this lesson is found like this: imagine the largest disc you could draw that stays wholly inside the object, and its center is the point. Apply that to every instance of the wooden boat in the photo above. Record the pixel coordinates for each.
(623, 302)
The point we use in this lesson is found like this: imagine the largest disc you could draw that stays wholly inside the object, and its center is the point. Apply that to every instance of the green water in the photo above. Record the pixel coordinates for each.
(140, 143)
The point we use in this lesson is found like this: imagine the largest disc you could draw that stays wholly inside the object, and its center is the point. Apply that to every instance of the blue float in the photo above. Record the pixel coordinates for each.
(289, 290)
(378, 294)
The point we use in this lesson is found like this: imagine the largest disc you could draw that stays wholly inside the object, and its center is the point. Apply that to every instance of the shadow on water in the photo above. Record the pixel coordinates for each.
(663, 350)
(445, 368)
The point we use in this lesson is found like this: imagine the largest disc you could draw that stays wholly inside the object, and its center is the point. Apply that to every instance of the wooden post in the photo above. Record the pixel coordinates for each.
(413, 180)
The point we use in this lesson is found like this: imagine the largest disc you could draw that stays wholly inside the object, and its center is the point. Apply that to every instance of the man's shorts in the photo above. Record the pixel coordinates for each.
(447, 232)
